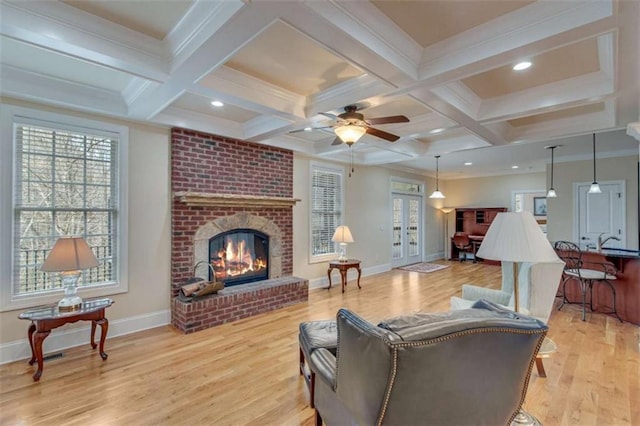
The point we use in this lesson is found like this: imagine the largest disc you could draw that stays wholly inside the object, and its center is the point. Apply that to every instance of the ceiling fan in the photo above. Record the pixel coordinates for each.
(351, 125)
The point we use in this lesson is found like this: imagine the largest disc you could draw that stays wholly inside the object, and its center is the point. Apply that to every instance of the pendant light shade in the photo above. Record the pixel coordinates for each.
(552, 192)
(595, 188)
(437, 193)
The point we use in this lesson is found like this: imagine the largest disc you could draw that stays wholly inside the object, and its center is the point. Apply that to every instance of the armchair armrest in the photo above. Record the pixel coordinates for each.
(323, 363)
(472, 292)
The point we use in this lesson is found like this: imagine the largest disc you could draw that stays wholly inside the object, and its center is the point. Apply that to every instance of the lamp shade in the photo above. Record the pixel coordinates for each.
(350, 133)
(342, 235)
(516, 237)
(70, 254)
(447, 210)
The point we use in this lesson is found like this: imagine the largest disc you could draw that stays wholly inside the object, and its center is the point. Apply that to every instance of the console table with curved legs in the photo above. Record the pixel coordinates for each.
(46, 318)
(343, 267)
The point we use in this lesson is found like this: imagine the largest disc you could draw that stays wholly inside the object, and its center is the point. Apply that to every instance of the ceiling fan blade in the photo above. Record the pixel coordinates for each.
(328, 114)
(336, 141)
(387, 120)
(313, 128)
(382, 134)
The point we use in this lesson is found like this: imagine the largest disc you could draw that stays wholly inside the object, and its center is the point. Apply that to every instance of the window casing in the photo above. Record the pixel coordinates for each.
(66, 180)
(326, 213)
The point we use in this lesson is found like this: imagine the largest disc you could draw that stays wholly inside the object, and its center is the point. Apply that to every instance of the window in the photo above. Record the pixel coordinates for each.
(66, 182)
(326, 208)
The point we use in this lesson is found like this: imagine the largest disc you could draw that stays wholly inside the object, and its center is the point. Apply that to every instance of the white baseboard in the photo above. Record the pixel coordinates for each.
(432, 257)
(56, 341)
(352, 274)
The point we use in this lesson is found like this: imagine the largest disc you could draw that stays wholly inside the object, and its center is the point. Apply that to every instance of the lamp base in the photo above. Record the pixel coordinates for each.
(525, 419)
(71, 301)
(70, 304)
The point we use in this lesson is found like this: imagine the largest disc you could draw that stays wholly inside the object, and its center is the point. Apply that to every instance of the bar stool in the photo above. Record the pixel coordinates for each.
(587, 274)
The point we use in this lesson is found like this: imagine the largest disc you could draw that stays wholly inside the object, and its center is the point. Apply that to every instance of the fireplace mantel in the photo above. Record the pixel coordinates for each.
(208, 199)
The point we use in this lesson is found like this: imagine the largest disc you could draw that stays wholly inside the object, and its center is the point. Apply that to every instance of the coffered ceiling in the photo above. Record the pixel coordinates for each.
(446, 65)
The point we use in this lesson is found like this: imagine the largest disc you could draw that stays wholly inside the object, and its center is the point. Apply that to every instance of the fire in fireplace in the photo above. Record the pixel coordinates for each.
(239, 256)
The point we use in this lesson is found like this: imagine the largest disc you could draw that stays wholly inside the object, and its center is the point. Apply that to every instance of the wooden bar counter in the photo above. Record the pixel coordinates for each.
(627, 284)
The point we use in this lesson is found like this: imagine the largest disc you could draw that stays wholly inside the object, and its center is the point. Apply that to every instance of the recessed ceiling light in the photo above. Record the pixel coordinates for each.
(307, 129)
(217, 104)
(439, 130)
(514, 167)
(468, 163)
(521, 66)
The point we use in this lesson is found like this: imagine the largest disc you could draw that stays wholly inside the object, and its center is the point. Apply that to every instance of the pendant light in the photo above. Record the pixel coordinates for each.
(437, 193)
(552, 192)
(595, 188)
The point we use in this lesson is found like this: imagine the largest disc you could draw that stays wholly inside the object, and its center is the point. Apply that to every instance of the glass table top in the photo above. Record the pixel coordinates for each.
(51, 311)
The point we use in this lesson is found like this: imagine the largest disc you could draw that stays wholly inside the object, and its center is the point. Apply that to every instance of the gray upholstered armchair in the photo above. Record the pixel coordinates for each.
(462, 367)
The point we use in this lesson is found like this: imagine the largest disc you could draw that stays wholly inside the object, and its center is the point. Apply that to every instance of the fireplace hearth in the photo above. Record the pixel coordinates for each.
(239, 256)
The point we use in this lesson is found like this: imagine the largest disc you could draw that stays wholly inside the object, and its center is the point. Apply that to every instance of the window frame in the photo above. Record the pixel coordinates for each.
(329, 168)
(11, 117)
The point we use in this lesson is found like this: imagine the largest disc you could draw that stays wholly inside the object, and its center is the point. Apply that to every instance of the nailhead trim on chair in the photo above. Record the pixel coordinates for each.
(395, 346)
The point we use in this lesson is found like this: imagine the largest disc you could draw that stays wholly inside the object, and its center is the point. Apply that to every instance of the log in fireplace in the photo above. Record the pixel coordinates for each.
(239, 256)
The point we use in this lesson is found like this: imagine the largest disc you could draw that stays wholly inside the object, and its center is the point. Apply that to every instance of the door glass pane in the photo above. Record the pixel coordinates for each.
(412, 228)
(397, 228)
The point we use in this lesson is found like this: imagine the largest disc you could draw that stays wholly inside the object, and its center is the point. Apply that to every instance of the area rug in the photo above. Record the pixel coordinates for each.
(424, 267)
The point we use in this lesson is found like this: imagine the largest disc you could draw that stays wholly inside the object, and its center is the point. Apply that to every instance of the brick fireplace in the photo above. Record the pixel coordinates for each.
(219, 185)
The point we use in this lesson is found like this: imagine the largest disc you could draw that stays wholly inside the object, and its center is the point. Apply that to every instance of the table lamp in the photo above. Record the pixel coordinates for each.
(517, 237)
(68, 256)
(343, 236)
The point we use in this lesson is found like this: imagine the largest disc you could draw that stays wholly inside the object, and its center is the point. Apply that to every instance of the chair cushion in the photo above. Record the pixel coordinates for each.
(589, 274)
(318, 334)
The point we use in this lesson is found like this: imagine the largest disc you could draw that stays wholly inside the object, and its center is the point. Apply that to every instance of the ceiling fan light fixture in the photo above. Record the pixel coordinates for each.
(350, 133)
(217, 104)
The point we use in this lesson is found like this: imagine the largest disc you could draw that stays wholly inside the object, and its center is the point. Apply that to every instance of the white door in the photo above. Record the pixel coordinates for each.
(600, 214)
(407, 230)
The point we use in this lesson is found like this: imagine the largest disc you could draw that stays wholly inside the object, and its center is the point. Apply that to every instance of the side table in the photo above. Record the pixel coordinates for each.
(343, 267)
(46, 318)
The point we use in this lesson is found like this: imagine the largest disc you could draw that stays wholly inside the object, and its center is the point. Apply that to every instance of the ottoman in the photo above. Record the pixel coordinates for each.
(314, 335)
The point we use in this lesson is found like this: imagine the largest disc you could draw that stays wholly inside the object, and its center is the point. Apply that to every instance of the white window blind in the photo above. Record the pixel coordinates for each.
(326, 208)
(65, 185)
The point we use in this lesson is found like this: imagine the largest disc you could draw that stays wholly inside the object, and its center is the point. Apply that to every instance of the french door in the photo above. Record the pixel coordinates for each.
(407, 229)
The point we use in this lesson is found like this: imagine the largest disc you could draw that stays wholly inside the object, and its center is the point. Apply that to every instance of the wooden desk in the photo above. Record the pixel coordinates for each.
(44, 319)
(343, 267)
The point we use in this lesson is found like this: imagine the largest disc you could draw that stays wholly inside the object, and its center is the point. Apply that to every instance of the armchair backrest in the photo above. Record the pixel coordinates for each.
(459, 367)
(537, 287)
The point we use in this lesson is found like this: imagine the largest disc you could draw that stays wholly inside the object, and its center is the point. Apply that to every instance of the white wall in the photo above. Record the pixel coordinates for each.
(561, 210)
(148, 298)
(368, 215)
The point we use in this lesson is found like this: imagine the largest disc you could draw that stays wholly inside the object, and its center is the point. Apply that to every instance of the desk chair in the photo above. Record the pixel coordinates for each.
(463, 244)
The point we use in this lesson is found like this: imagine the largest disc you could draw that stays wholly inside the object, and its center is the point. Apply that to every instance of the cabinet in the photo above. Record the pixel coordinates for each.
(475, 222)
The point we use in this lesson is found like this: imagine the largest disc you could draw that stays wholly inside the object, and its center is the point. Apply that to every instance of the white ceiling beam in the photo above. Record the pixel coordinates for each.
(527, 25)
(448, 110)
(254, 94)
(213, 53)
(59, 27)
(308, 19)
(179, 117)
(23, 84)
(203, 19)
(366, 23)
(584, 89)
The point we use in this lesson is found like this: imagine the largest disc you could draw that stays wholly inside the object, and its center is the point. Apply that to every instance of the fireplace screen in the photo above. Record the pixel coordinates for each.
(239, 256)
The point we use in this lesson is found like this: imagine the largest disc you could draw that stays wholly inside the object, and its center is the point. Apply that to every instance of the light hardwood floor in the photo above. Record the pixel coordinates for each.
(246, 372)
